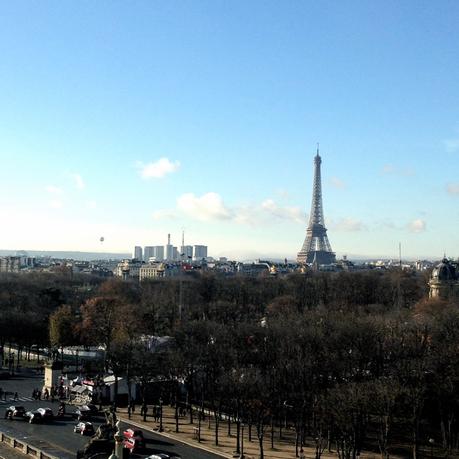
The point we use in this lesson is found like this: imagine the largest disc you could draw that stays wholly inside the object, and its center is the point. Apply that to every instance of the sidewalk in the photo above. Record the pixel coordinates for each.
(283, 448)
(7, 452)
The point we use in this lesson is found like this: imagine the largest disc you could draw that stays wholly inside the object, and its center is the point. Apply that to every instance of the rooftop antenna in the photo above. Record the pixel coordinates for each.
(317, 148)
(400, 253)
(169, 239)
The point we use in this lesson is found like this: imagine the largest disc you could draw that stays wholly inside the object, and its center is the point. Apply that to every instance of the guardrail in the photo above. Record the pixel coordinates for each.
(24, 447)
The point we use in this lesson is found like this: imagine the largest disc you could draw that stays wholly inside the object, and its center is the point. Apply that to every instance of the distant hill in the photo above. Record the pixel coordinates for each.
(84, 256)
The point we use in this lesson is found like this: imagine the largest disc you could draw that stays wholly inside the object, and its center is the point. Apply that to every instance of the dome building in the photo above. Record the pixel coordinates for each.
(444, 281)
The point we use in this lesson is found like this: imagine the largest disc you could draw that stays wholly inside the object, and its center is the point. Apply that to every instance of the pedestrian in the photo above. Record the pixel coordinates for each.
(1, 393)
(16, 396)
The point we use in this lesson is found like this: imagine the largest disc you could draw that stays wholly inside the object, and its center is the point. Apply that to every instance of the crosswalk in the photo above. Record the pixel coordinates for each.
(12, 401)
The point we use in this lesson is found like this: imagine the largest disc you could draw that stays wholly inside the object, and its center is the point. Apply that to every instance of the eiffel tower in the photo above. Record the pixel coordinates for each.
(316, 247)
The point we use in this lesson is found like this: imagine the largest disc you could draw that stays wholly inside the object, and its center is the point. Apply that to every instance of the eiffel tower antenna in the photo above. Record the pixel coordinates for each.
(316, 245)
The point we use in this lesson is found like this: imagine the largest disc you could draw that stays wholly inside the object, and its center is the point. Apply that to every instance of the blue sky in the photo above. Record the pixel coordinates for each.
(135, 119)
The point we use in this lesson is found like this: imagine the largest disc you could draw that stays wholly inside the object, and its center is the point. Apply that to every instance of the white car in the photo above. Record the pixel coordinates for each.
(163, 456)
(46, 414)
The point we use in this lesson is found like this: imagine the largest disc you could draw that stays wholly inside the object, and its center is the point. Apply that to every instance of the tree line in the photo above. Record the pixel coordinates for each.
(349, 361)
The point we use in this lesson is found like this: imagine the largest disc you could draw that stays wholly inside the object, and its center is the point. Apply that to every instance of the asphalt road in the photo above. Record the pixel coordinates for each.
(58, 437)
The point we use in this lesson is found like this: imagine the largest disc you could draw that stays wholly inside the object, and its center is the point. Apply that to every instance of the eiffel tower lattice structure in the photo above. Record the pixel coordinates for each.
(316, 247)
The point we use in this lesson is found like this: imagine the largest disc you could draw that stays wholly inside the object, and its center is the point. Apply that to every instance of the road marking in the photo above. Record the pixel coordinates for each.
(20, 399)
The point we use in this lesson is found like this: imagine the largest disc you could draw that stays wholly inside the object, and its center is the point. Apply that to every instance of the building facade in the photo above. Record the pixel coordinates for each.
(152, 271)
(444, 281)
(10, 264)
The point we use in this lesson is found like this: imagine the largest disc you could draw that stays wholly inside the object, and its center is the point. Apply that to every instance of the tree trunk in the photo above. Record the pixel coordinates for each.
(128, 381)
(176, 415)
(115, 401)
(217, 422)
(260, 434)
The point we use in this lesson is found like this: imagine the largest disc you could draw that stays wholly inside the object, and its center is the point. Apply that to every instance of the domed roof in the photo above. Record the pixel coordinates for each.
(444, 271)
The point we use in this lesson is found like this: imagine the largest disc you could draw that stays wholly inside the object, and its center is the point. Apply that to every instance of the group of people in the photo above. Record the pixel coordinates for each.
(3, 394)
(46, 394)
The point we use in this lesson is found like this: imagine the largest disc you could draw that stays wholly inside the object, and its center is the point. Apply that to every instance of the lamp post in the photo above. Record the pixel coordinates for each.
(160, 414)
(431, 443)
(242, 441)
(118, 453)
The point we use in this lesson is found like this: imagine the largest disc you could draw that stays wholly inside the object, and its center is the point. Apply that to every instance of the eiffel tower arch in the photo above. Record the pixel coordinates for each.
(316, 247)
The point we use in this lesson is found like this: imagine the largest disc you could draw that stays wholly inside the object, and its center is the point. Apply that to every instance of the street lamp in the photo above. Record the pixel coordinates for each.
(118, 453)
(160, 414)
(431, 443)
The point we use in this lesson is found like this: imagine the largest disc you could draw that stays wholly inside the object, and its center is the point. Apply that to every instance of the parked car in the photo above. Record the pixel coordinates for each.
(84, 428)
(33, 417)
(86, 412)
(46, 414)
(14, 412)
(133, 440)
(134, 433)
(163, 456)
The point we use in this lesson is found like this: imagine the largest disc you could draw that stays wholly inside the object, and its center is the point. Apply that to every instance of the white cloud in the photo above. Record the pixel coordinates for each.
(453, 188)
(53, 189)
(347, 224)
(209, 206)
(390, 169)
(417, 226)
(91, 204)
(165, 214)
(338, 183)
(285, 213)
(78, 181)
(158, 169)
(451, 145)
(55, 204)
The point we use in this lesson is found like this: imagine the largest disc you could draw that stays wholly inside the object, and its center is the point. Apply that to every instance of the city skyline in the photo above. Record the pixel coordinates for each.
(130, 123)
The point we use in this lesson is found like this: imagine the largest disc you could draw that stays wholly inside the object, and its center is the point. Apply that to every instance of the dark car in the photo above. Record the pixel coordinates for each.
(14, 412)
(86, 412)
(84, 428)
(33, 417)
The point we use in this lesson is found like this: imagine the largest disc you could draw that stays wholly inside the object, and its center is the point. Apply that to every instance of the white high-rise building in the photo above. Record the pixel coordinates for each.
(148, 252)
(169, 249)
(186, 252)
(175, 254)
(138, 253)
(159, 252)
(200, 252)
